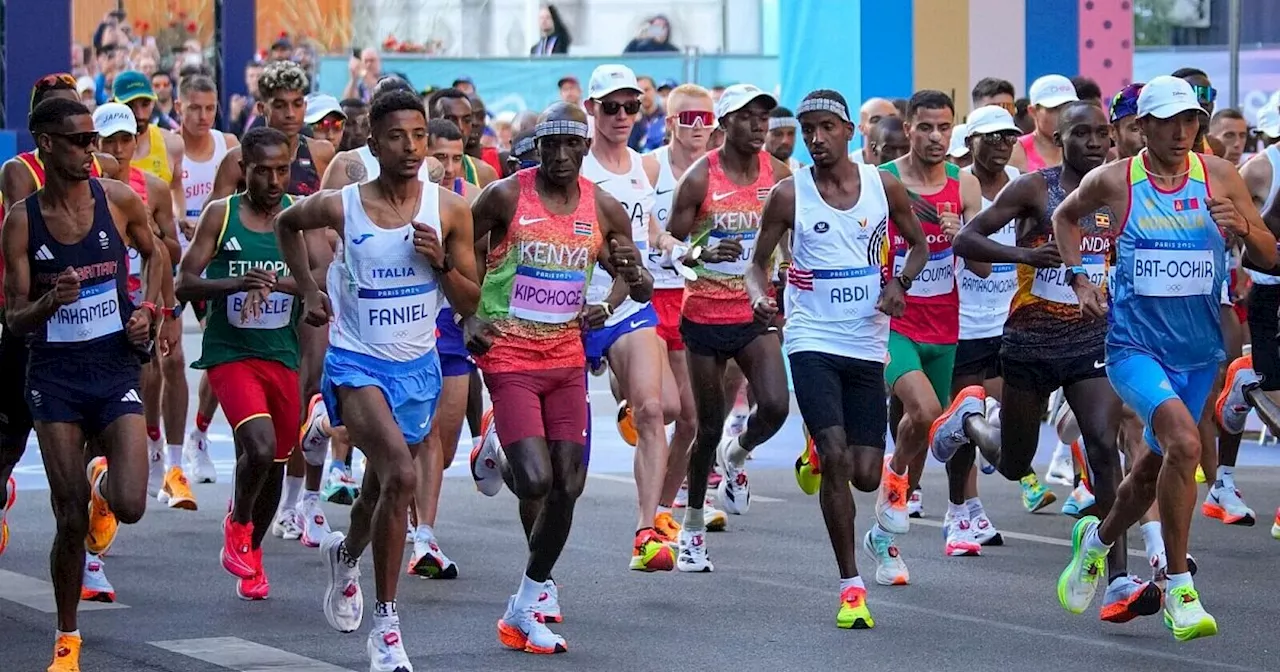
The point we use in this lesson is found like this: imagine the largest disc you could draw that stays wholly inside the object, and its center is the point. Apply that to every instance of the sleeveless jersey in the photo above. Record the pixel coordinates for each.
(272, 335)
(373, 169)
(469, 170)
(1034, 160)
(137, 182)
(636, 195)
(197, 181)
(835, 277)
(536, 281)
(729, 210)
(984, 302)
(932, 314)
(664, 277)
(303, 178)
(156, 160)
(1170, 267)
(1044, 320)
(1262, 277)
(385, 294)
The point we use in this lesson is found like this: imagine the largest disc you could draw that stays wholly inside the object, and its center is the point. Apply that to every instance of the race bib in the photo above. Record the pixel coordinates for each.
(734, 266)
(837, 294)
(274, 313)
(937, 278)
(1050, 284)
(550, 297)
(1168, 268)
(397, 314)
(990, 294)
(135, 262)
(94, 315)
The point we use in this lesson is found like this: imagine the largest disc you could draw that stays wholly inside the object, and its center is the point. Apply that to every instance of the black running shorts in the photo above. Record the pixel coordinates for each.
(978, 356)
(835, 391)
(1045, 376)
(1264, 302)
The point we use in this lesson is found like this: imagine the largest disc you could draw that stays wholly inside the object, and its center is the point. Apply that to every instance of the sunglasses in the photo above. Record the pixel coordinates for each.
(692, 118)
(611, 107)
(81, 140)
(1000, 138)
(1205, 94)
(1008, 107)
(330, 125)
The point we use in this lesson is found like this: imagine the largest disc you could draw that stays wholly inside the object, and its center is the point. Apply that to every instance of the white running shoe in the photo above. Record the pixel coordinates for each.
(682, 497)
(195, 454)
(960, 540)
(315, 527)
(915, 504)
(891, 570)
(692, 555)
(547, 608)
(287, 525)
(1225, 503)
(1061, 471)
(715, 519)
(155, 471)
(521, 630)
(735, 490)
(94, 586)
(428, 561)
(985, 532)
(314, 442)
(486, 457)
(343, 601)
(736, 423)
(386, 651)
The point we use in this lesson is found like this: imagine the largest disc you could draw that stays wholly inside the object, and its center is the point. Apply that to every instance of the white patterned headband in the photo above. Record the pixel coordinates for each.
(783, 122)
(561, 127)
(823, 105)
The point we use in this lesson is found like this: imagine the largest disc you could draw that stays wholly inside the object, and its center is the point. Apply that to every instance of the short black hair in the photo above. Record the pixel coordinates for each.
(780, 112)
(901, 104)
(256, 138)
(1227, 113)
(462, 80)
(353, 102)
(1071, 107)
(929, 99)
(443, 129)
(388, 84)
(889, 125)
(441, 94)
(1183, 73)
(394, 101)
(52, 112)
(1086, 89)
(989, 87)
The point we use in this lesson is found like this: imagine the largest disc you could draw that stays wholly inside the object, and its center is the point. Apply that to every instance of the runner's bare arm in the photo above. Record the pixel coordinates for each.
(971, 205)
(346, 168)
(229, 175)
(691, 190)
(459, 285)
(781, 170)
(16, 182)
(322, 152)
(1012, 203)
(204, 245)
(176, 147)
(904, 218)
(107, 163)
(137, 231)
(615, 226)
(1257, 177)
(485, 174)
(321, 210)
(1018, 159)
(1099, 188)
(162, 210)
(22, 315)
(776, 220)
(1227, 185)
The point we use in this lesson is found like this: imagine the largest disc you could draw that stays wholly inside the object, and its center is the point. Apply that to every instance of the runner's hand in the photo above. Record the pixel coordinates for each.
(728, 249)
(893, 299)
(67, 289)
(317, 310)
(170, 335)
(765, 309)
(251, 309)
(1043, 256)
(427, 243)
(1092, 302)
(479, 335)
(1225, 215)
(138, 329)
(188, 228)
(625, 260)
(949, 221)
(257, 278)
(593, 316)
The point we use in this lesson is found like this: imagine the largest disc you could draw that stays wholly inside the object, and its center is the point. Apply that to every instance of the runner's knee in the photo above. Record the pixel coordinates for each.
(400, 476)
(528, 481)
(173, 365)
(649, 413)
(129, 505)
(772, 408)
(71, 513)
(1182, 446)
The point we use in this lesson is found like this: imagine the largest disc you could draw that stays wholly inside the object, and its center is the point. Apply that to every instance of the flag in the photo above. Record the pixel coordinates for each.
(800, 279)
(762, 194)
(582, 228)
(1180, 204)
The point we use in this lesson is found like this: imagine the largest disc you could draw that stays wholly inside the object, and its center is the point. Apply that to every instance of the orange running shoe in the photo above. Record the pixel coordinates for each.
(256, 587)
(627, 424)
(651, 554)
(10, 494)
(667, 527)
(891, 501)
(102, 523)
(176, 491)
(66, 653)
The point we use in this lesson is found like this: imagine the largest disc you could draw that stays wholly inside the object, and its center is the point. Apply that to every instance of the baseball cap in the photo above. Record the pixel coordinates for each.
(86, 84)
(957, 148)
(609, 78)
(1052, 90)
(739, 96)
(567, 79)
(668, 83)
(112, 118)
(987, 119)
(1125, 103)
(1166, 96)
(131, 85)
(321, 105)
(1269, 121)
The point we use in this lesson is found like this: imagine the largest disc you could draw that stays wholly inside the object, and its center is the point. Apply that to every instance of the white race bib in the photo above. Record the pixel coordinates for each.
(1168, 268)
(275, 313)
(135, 262)
(397, 314)
(990, 294)
(1050, 284)
(550, 297)
(735, 266)
(937, 278)
(94, 315)
(837, 294)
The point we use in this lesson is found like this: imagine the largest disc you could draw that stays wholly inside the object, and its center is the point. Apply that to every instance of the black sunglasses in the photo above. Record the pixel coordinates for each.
(611, 107)
(82, 140)
(1000, 138)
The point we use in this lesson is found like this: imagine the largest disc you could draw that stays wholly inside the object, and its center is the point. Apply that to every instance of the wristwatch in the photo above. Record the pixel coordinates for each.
(172, 313)
(906, 281)
(1073, 271)
(696, 254)
(445, 268)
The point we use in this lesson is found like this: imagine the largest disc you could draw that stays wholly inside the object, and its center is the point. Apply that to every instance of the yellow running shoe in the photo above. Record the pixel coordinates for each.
(1200, 474)
(176, 491)
(651, 554)
(66, 654)
(10, 494)
(853, 612)
(1185, 616)
(667, 528)
(627, 424)
(808, 476)
(102, 523)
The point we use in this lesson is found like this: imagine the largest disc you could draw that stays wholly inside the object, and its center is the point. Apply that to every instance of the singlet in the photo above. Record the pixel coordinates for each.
(836, 266)
(719, 294)
(636, 195)
(1044, 320)
(271, 336)
(469, 170)
(92, 328)
(137, 182)
(932, 314)
(156, 160)
(1263, 277)
(303, 178)
(197, 181)
(1170, 267)
(384, 293)
(373, 169)
(536, 280)
(664, 276)
(984, 302)
(1034, 160)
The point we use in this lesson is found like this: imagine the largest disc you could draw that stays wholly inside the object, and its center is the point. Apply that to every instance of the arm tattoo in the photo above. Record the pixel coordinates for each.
(356, 171)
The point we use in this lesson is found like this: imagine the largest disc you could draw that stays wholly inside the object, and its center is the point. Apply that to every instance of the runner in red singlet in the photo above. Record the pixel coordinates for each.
(1037, 150)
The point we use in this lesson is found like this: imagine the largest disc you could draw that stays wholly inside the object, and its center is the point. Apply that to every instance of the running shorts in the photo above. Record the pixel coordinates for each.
(937, 362)
(79, 392)
(598, 341)
(978, 357)
(454, 358)
(666, 303)
(550, 404)
(1045, 376)
(249, 389)
(1144, 384)
(836, 391)
(1264, 333)
(15, 416)
(722, 341)
(411, 388)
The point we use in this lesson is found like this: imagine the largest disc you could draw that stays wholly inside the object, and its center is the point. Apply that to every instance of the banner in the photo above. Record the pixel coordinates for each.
(1259, 73)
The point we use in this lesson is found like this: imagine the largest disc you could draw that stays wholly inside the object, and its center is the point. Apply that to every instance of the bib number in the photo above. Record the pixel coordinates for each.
(1167, 268)
(936, 279)
(94, 315)
(990, 294)
(550, 297)
(397, 314)
(1050, 284)
(837, 294)
(274, 313)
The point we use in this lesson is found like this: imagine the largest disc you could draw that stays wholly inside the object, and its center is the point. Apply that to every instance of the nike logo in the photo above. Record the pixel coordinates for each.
(720, 197)
(1099, 365)
(363, 237)
(661, 192)
(525, 221)
(602, 181)
(637, 324)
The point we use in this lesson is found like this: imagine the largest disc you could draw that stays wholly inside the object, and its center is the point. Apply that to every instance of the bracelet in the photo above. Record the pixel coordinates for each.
(151, 307)
(445, 268)
(608, 308)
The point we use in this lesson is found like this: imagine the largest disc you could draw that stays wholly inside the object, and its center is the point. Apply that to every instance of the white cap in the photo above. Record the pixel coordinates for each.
(321, 105)
(989, 119)
(1052, 90)
(739, 96)
(112, 118)
(86, 84)
(1269, 121)
(1165, 96)
(958, 134)
(611, 77)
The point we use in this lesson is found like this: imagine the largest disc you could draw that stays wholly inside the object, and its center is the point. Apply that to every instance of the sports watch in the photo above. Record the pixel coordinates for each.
(1073, 271)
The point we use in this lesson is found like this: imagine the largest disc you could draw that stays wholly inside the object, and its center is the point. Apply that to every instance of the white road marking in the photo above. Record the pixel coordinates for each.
(627, 479)
(244, 656)
(38, 595)
(1023, 536)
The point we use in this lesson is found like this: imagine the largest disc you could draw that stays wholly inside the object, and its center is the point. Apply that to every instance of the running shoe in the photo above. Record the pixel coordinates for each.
(1034, 495)
(1160, 567)
(715, 519)
(196, 457)
(735, 489)
(547, 608)
(1129, 597)
(288, 525)
(891, 570)
(1061, 471)
(714, 477)
(339, 487)
(808, 473)
(667, 528)
(1275, 526)
(891, 501)
(1225, 504)
(1079, 501)
(315, 526)
(947, 433)
(10, 495)
(176, 491)
(237, 548)
(94, 586)
(1232, 408)
(66, 653)
(256, 587)
(1185, 616)
(521, 630)
(386, 651)
(627, 424)
(736, 423)
(1079, 581)
(853, 612)
(915, 504)
(485, 458)
(651, 553)
(155, 468)
(428, 561)
(692, 556)
(959, 538)
(682, 497)
(1200, 477)
(343, 601)
(102, 523)
(985, 532)
(312, 438)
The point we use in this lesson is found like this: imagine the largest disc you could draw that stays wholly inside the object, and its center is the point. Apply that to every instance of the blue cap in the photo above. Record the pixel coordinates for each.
(668, 83)
(131, 85)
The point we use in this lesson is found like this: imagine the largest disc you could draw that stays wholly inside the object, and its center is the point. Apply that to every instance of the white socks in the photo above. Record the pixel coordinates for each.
(1227, 475)
(957, 511)
(736, 453)
(174, 455)
(292, 486)
(852, 582)
(693, 519)
(529, 592)
(1152, 538)
(1179, 580)
(975, 508)
(1093, 542)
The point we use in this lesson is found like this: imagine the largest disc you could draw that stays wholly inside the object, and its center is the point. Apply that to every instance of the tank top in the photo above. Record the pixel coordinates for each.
(1263, 277)
(664, 276)
(272, 335)
(93, 326)
(536, 280)
(137, 182)
(384, 293)
(156, 160)
(373, 169)
(984, 302)
(719, 294)
(836, 267)
(1034, 160)
(197, 181)
(1170, 267)
(469, 170)
(1044, 320)
(932, 314)
(633, 191)
(303, 178)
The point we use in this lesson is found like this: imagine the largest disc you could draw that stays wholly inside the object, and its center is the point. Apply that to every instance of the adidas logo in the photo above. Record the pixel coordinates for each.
(43, 254)
(131, 396)
(232, 245)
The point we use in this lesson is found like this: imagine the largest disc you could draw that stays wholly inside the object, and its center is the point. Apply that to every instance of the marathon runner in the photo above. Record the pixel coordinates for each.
(1164, 344)
(718, 202)
(381, 372)
(87, 343)
(781, 141)
(456, 106)
(872, 112)
(250, 346)
(838, 327)
(1039, 149)
(1229, 127)
(887, 141)
(325, 118)
(993, 91)
(527, 335)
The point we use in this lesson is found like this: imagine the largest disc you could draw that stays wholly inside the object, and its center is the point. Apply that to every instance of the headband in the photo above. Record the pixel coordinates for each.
(523, 146)
(561, 127)
(823, 105)
(783, 122)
